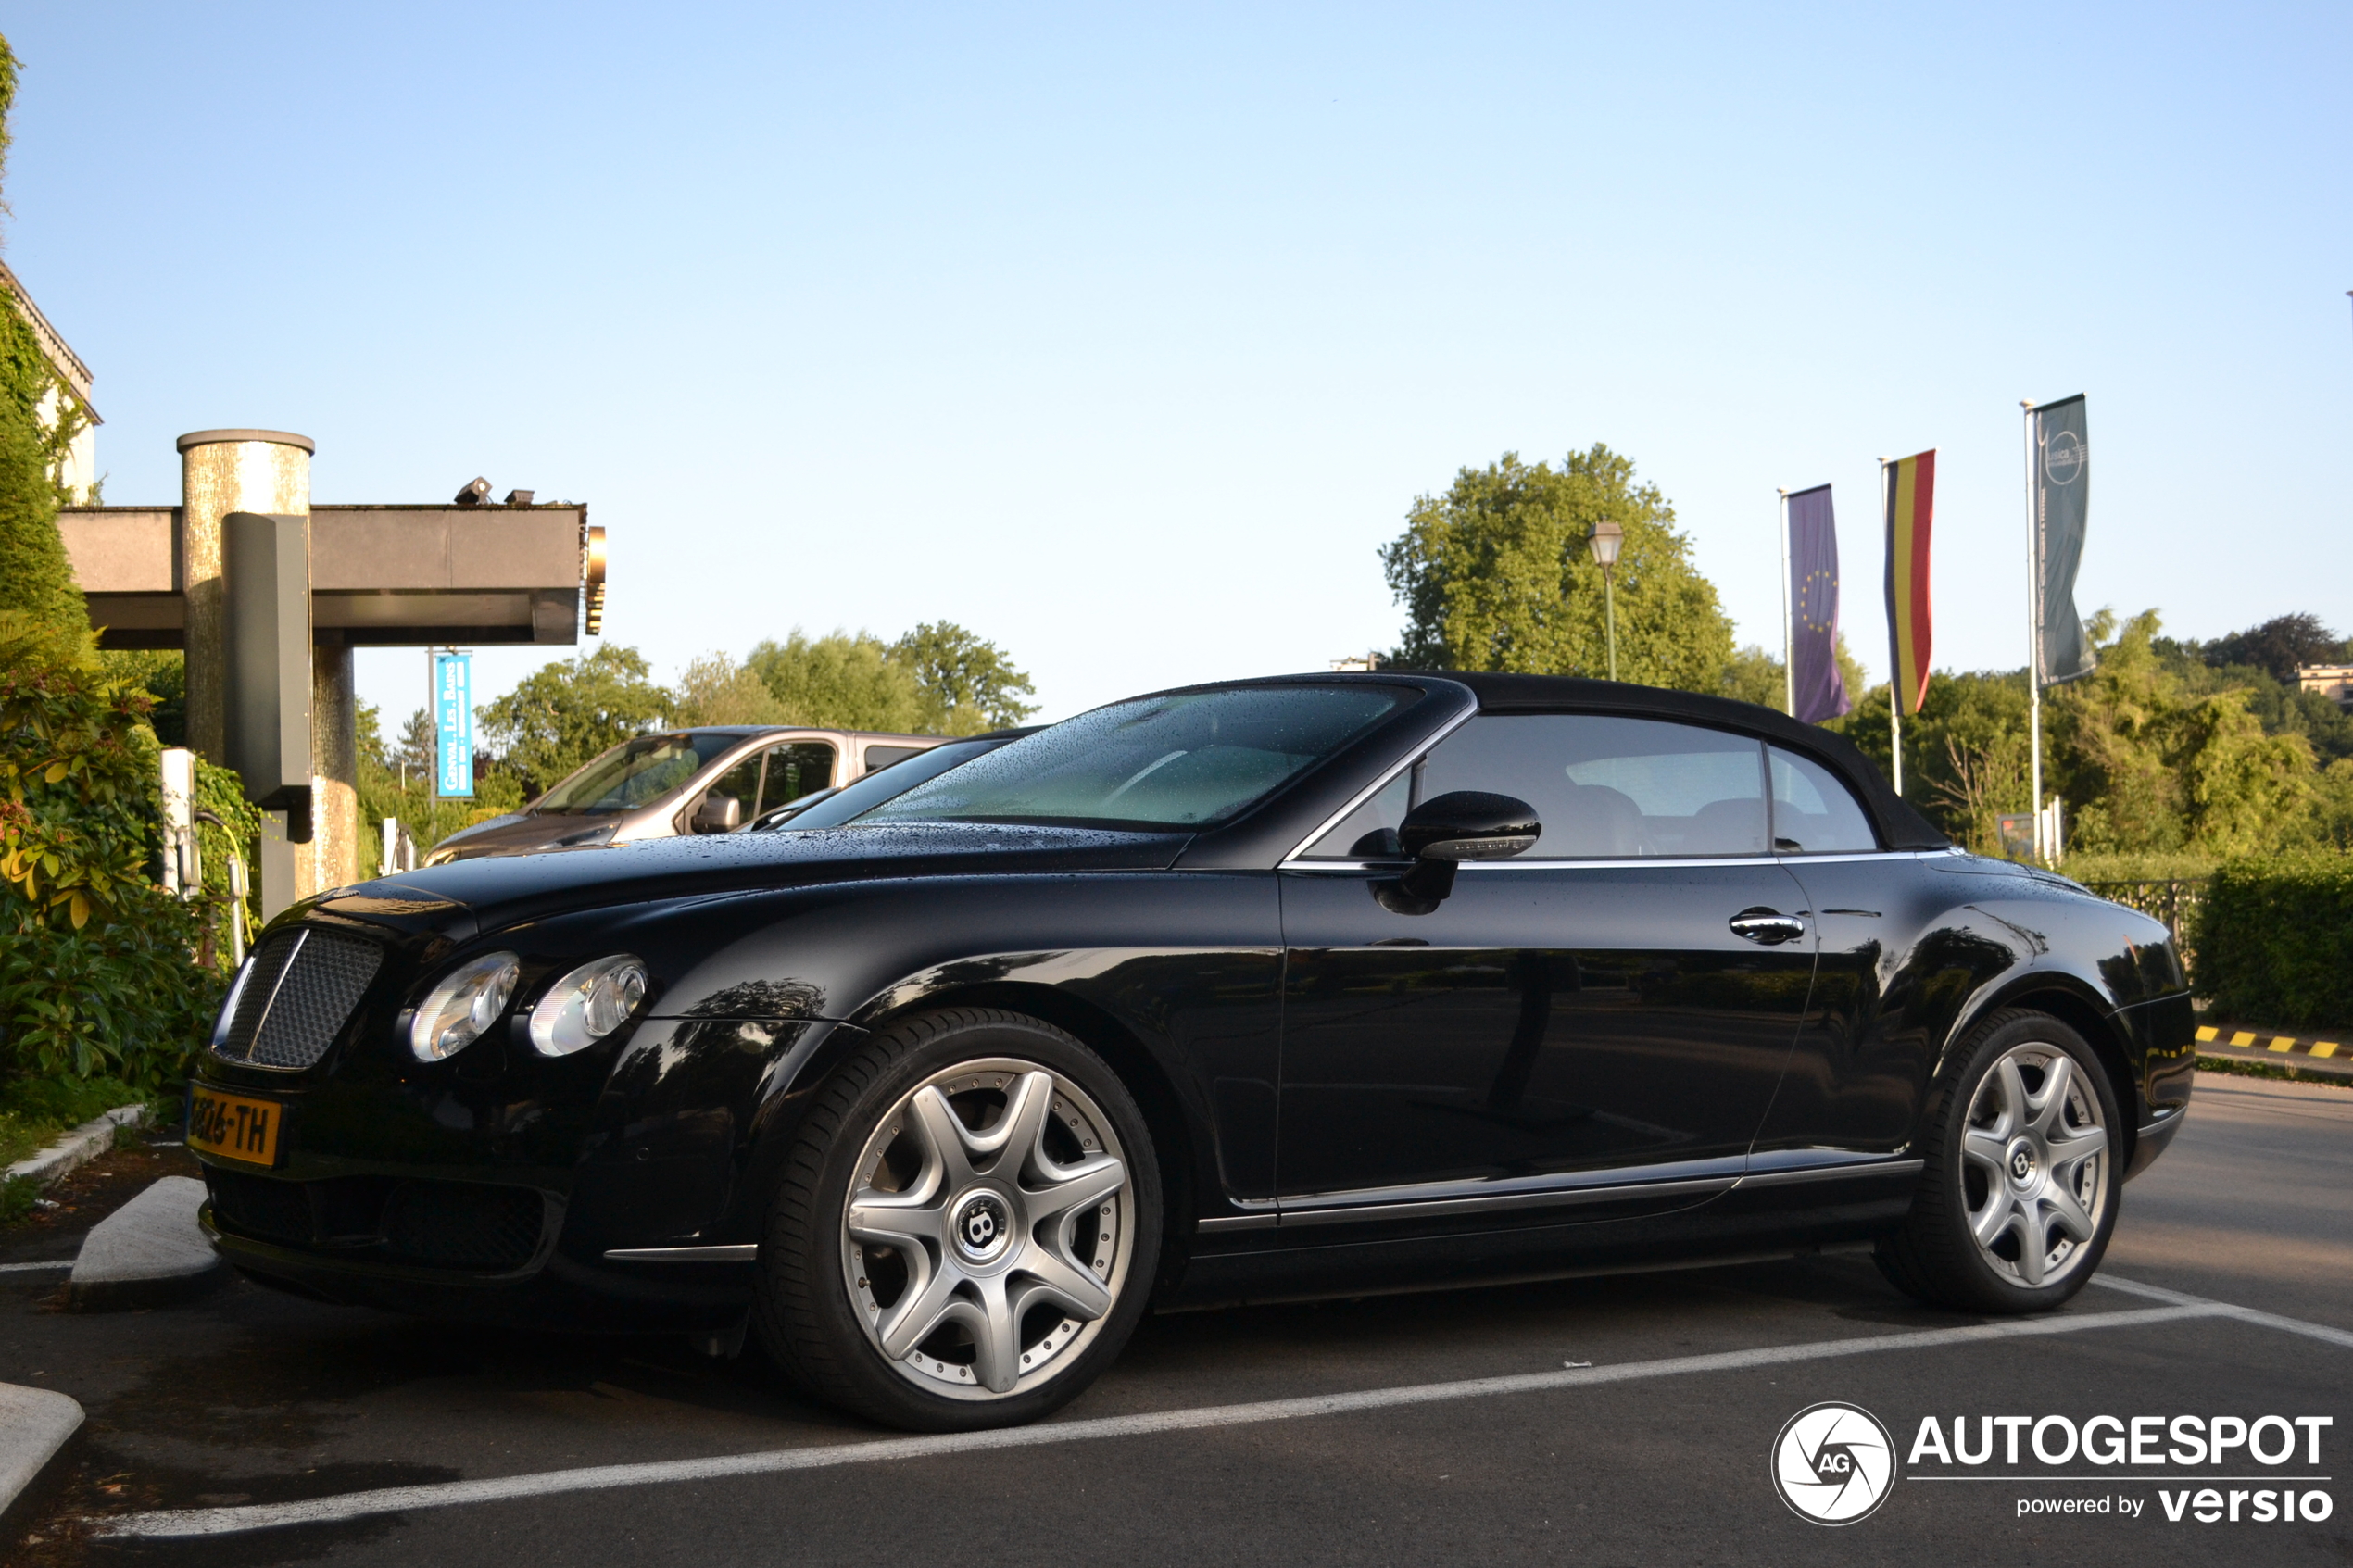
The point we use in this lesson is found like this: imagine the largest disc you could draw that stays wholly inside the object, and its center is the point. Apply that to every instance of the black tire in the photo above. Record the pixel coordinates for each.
(815, 1312)
(1936, 1256)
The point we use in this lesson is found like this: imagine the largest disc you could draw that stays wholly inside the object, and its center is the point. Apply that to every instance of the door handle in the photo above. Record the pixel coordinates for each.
(1768, 926)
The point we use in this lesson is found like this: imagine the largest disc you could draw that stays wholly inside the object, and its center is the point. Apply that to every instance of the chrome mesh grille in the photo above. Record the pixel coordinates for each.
(303, 985)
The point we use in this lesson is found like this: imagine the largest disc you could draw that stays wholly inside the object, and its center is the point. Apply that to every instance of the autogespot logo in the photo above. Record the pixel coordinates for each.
(1834, 1463)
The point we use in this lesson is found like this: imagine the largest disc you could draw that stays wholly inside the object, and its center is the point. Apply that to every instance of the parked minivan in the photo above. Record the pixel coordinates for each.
(673, 783)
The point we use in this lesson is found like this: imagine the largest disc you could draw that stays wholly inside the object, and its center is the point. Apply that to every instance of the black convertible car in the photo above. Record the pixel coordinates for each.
(1287, 987)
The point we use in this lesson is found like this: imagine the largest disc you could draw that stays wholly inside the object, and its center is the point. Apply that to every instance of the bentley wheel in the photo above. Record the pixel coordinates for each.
(967, 1227)
(2022, 1177)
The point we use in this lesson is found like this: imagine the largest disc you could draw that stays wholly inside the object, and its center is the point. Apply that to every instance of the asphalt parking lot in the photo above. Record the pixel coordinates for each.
(253, 1428)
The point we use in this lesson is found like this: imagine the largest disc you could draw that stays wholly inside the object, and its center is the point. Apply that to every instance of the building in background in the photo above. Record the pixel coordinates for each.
(69, 394)
(2332, 680)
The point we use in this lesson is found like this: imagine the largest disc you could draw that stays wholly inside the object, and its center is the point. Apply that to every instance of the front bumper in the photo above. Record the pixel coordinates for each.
(2153, 1138)
(547, 1290)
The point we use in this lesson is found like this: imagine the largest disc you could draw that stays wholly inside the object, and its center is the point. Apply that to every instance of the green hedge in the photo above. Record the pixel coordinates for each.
(2275, 941)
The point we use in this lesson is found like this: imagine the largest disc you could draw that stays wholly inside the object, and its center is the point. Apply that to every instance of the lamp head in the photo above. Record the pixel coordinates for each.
(1605, 539)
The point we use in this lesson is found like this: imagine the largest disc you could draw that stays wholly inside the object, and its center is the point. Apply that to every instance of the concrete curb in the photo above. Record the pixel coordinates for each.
(78, 1147)
(2305, 1069)
(150, 1252)
(38, 1428)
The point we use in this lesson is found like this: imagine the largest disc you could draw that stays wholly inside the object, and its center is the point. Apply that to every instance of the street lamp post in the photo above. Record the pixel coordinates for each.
(1605, 539)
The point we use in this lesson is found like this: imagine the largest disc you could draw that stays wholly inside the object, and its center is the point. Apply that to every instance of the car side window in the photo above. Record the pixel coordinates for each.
(881, 756)
(1369, 832)
(1612, 788)
(1814, 813)
(796, 768)
(742, 781)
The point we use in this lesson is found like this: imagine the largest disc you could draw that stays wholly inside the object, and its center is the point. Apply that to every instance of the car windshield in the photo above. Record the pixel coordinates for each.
(883, 784)
(1188, 761)
(634, 772)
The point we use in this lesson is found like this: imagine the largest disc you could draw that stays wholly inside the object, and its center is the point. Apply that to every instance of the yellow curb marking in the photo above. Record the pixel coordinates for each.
(2282, 1043)
(2207, 1032)
(2324, 1047)
(2242, 1038)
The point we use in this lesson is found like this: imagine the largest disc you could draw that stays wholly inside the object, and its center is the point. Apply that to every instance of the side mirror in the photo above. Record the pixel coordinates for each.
(718, 813)
(1444, 831)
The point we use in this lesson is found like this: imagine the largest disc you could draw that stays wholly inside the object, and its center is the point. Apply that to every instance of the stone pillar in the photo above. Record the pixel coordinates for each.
(266, 470)
(223, 471)
(331, 858)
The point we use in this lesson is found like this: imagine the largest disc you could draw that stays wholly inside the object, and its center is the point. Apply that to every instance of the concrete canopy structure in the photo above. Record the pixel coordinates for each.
(381, 576)
(154, 577)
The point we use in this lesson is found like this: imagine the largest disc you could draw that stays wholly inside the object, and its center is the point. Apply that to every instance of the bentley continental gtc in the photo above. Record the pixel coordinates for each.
(1277, 988)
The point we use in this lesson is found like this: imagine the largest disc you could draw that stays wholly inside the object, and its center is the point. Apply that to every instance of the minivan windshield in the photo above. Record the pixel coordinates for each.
(634, 772)
(1191, 759)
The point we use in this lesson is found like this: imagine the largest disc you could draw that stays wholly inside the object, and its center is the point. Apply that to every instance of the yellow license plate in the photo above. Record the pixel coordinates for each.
(234, 1127)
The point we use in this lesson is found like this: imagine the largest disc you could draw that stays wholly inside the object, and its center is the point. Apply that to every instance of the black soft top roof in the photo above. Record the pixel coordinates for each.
(1900, 827)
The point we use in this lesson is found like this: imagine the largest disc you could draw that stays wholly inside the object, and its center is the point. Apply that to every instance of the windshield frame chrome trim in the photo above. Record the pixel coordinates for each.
(1383, 782)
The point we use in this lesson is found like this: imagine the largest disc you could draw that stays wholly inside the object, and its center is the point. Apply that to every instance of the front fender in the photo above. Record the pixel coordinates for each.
(1174, 977)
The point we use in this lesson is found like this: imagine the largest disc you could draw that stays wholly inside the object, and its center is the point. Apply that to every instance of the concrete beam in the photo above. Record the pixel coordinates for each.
(381, 576)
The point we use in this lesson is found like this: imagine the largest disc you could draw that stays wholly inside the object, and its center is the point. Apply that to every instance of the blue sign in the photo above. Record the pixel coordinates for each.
(453, 717)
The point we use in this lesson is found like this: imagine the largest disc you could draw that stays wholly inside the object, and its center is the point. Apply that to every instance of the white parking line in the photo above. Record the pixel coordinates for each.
(171, 1523)
(28, 1268)
(2244, 1314)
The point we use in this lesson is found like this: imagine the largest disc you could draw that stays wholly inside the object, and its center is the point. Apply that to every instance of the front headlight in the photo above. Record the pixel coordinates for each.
(456, 1012)
(587, 1005)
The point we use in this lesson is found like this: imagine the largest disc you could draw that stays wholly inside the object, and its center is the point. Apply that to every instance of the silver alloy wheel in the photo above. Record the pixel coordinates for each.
(2034, 1165)
(987, 1229)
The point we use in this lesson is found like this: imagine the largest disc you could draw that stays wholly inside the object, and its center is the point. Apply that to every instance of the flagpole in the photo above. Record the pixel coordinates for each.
(2033, 637)
(1789, 652)
(1895, 656)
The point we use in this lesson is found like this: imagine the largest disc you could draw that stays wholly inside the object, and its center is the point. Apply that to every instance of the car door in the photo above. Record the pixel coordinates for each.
(1888, 953)
(1578, 1019)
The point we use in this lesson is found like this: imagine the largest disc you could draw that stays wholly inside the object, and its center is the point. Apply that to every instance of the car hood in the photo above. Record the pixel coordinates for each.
(465, 896)
(527, 833)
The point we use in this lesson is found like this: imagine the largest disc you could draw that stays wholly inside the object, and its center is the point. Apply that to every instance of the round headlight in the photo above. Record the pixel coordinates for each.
(469, 1002)
(587, 1005)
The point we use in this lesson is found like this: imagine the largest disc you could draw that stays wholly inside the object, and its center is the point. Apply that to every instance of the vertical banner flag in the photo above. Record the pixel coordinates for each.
(2062, 482)
(453, 715)
(1819, 691)
(1911, 506)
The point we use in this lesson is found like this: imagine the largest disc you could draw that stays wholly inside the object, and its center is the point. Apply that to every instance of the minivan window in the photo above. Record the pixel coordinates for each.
(796, 768)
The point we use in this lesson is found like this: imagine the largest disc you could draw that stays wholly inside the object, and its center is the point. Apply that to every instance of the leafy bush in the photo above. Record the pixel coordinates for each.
(2275, 941)
(98, 975)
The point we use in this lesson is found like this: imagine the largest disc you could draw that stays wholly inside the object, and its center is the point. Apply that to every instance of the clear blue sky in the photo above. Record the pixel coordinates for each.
(1125, 337)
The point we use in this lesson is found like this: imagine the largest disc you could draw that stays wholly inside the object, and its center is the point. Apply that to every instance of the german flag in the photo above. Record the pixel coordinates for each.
(1911, 503)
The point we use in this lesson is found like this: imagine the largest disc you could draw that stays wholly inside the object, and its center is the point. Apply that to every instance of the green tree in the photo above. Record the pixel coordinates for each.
(1756, 674)
(35, 577)
(1965, 752)
(2279, 646)
(568, 711)
(1497, 574)
(842, 681)
(966, 682)
(717, 690)
(2157, 765)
